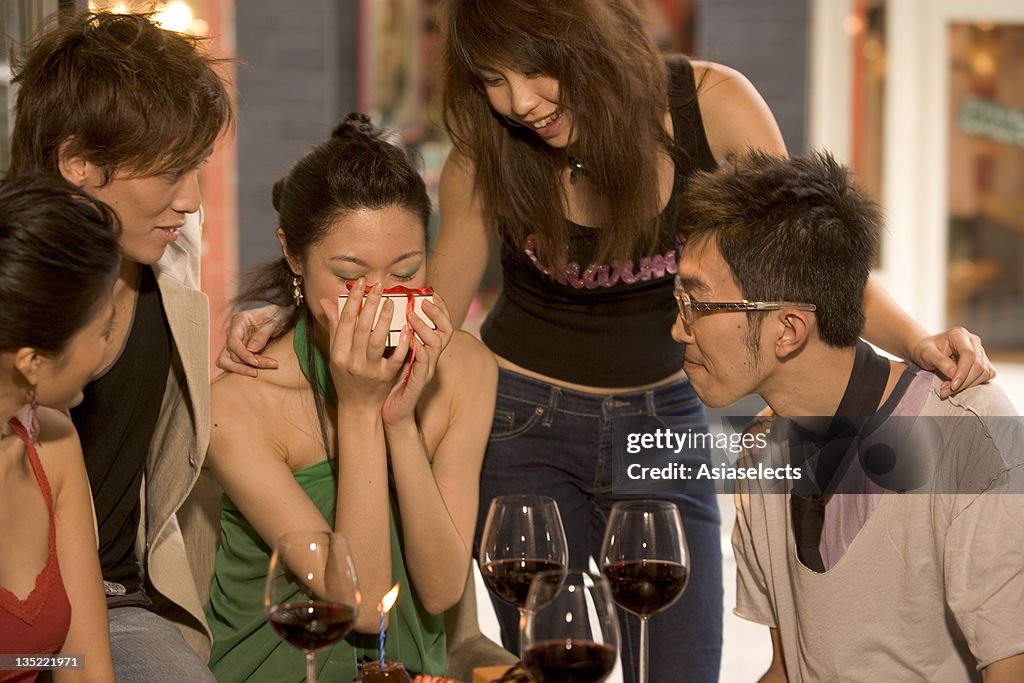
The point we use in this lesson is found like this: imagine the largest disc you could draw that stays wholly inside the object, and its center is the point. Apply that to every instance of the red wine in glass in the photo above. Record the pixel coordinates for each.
(312, 626)
(569, 630)
(523, 535)
(569, 661)
(510, 579)
(320, 608)
(646, 587)
(646, 560)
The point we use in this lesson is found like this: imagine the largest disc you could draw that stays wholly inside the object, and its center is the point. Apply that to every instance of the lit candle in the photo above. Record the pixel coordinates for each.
(385, 605)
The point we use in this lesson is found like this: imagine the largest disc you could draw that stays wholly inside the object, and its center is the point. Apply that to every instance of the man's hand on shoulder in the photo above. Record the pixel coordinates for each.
(248, 333)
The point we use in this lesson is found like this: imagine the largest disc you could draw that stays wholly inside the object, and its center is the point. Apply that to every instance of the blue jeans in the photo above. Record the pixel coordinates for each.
(557, 442)
(150, 649)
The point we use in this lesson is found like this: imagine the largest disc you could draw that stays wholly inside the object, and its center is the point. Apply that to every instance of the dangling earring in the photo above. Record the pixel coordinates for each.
(33, 417)
(297, 296)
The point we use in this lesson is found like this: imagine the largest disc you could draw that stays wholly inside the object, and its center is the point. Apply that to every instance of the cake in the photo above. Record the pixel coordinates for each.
(393, 672)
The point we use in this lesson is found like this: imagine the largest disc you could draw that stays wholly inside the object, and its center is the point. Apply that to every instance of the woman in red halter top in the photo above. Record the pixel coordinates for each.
(60, 258)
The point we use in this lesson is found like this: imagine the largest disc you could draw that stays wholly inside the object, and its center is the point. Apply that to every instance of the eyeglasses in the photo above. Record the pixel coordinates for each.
(688, 305)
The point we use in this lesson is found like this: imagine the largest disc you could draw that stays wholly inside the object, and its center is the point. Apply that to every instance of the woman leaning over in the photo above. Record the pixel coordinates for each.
(384, 448)
(56, 316)
(573, 140)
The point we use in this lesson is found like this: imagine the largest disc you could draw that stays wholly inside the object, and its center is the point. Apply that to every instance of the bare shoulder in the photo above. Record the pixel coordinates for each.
(458, 164)
(460, 402)
(468, 344)
(244, 405)
(735, 115)
(466, 379)
(59, 450)
(718, 84)
(231, 388)
(467, 357)
(235, 396)
(55, 427)
(712, 73)
(458, 180)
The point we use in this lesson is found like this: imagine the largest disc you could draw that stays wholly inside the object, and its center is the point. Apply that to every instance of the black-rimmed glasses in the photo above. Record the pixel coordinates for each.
(688, 305)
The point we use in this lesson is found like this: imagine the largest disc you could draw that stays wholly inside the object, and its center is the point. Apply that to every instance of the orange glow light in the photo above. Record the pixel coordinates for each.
(388, 601)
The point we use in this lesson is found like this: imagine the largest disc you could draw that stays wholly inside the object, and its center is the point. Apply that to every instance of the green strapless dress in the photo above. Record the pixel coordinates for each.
(245, 646)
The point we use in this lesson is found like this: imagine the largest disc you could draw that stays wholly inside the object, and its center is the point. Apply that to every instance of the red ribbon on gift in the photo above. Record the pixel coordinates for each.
(410, 305)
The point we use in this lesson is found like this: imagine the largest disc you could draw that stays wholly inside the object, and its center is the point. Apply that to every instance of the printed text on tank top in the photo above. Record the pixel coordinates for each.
(607, 275)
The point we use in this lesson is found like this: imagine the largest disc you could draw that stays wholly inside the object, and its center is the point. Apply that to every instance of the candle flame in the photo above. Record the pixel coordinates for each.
(388, 601)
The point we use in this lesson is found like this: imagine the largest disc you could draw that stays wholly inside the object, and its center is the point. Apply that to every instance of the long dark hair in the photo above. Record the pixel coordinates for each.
(60, 260)
(612, 80)
(356, 168)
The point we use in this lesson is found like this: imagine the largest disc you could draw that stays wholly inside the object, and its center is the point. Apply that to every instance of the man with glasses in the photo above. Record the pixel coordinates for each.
(855, 581)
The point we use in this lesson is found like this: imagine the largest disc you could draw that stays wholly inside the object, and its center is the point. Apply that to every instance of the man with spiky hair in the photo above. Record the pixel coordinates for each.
(129, 112)
(896, 554)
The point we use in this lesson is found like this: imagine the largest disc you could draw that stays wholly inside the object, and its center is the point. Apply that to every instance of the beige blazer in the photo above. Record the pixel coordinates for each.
(180, 439)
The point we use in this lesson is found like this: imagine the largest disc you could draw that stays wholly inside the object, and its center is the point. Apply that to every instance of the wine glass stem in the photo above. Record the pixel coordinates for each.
(642, 675)
(310, 667)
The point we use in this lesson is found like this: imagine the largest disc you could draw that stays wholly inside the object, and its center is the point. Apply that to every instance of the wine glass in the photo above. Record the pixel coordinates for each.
(569, 632)
(523, 535)
(645, 558)
(311, 596)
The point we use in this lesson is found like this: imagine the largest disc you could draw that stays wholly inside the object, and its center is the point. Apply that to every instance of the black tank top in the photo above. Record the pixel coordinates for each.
(596, 324)
(115, 423)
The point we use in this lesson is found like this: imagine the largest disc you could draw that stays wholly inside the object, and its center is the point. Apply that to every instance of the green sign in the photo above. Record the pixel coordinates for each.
(992, 120)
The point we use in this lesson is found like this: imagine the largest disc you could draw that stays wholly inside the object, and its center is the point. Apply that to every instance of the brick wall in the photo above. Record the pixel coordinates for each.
(297, 79)
(767, 41)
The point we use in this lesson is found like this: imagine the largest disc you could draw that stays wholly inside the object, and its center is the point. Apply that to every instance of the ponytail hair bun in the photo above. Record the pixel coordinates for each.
(356, 123)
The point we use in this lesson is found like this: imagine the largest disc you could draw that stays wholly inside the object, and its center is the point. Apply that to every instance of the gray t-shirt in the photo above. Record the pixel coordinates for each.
(919, 586)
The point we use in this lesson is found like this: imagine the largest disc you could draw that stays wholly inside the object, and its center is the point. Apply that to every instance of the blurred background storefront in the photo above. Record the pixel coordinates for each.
(922, 97)
(925, 99)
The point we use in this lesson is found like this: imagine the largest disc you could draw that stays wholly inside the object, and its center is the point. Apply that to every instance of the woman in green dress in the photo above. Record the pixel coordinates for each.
(347, 435)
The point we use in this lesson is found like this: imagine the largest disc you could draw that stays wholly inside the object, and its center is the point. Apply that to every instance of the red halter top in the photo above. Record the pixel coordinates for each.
(39, 623)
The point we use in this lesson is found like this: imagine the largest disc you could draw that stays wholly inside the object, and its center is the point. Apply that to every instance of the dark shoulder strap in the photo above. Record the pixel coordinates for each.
(680, 73)
(687, 122)
(37, 465)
